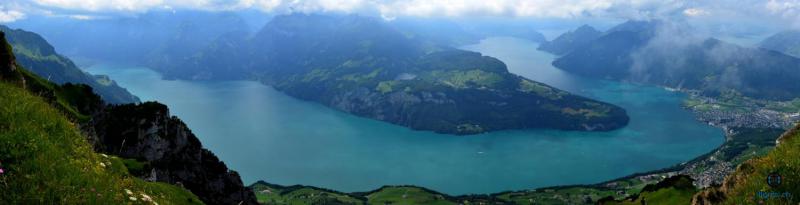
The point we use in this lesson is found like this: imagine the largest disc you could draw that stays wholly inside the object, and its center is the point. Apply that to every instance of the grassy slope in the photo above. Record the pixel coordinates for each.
(406, 195)
(47, 160)
(749, 178)
(272, 194)
(668, 196)
(673, 190)
(275, 194)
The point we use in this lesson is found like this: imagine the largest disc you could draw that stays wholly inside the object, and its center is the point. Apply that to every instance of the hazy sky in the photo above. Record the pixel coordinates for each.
(735, 15)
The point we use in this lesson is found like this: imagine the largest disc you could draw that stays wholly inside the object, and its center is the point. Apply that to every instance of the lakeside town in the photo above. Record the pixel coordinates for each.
(742, 113)
(729, 112)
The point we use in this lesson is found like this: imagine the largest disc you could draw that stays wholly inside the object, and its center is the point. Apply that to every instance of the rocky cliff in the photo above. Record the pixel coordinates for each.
(8, 63)
(145, 132)
(174, 155)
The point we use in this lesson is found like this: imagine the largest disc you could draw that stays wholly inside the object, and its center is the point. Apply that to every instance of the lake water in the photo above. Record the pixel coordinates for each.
(267, 135)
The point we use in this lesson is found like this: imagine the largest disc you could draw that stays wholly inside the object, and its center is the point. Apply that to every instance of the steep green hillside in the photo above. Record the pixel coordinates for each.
(366, 67)
(673, 190)
(45, 159)
(37, 55)
(38, 145)
(748, 184)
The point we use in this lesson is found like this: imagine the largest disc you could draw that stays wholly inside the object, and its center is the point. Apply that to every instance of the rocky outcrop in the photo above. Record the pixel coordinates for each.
(8, 68)
(145, 132)
(148, 133)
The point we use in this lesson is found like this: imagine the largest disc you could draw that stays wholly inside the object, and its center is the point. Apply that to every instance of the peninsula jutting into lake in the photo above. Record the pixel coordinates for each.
(399, 102)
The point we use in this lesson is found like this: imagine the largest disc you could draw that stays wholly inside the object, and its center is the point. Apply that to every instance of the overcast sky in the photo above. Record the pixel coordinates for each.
(780, 13)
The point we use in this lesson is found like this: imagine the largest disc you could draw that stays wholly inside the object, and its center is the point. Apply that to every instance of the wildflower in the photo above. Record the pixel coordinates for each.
(2, 171)
(102, 164)
(128, 191)
(146, 198)
(132, 198)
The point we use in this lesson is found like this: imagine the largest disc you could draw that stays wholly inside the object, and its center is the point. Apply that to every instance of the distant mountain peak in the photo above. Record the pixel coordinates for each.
(570, 40)
(671, 54)
(352, 63)
(585, 28)
(787, 42)
(36, 54)
(637, 25)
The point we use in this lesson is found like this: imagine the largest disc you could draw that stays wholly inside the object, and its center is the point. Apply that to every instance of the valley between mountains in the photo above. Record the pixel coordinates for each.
(370, 111)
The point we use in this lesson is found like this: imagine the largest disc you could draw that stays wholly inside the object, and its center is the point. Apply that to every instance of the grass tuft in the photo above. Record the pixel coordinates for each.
(46, 160)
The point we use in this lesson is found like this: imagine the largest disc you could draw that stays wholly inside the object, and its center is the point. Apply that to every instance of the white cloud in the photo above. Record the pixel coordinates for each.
(782, 6)
(101, 5)
(692, 12)
(84, 17)
(329, 5)
(540, 8)
(526, 8)
(145, 5)
(264, 5)
(780, 11)
(10, 15)
(786, 9)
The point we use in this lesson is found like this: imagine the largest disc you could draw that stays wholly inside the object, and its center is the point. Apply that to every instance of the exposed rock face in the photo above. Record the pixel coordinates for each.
(8, 68)
(6, 55)
(147, 132)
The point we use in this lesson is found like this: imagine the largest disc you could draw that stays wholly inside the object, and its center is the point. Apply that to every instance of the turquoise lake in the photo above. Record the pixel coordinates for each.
(266, 135)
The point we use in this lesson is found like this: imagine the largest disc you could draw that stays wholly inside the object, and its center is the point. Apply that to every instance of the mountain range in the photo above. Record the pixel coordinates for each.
(787, 42)
(569, 41)
(669, 54)
(63, 143)
(106, 153)
(146, 39)
(368, 68)
(36, 54)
